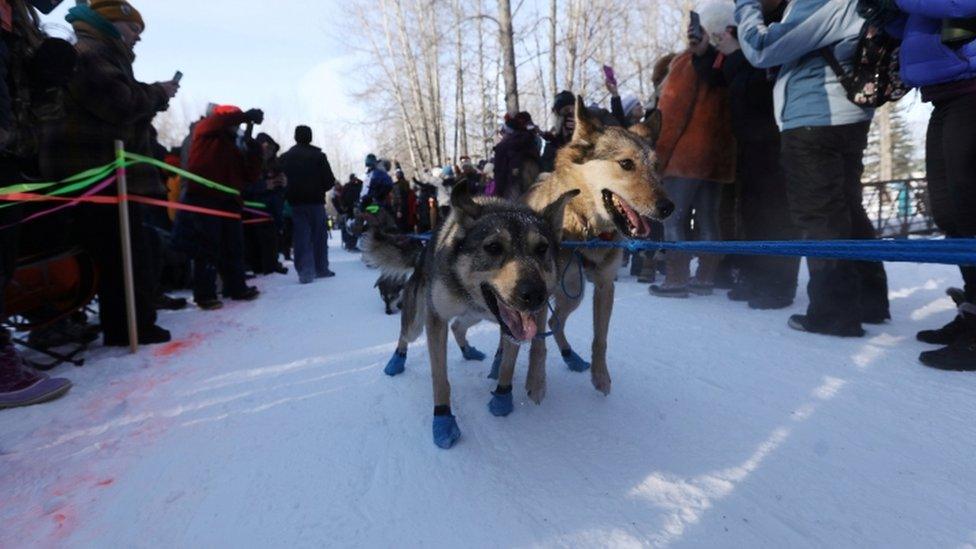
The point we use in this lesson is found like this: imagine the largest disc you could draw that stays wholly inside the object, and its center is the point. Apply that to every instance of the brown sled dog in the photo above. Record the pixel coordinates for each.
(615, 171)
(491, 259)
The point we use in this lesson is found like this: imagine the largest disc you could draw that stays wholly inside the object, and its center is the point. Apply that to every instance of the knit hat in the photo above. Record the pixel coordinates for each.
(716, 16)
(303, 135)
(226, 109)
(630, 103)
(118, 11)
(563, 99)
(370, 160)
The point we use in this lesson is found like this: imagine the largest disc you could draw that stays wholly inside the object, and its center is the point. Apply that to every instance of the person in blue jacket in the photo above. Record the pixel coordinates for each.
(938, 55)
(823, 136)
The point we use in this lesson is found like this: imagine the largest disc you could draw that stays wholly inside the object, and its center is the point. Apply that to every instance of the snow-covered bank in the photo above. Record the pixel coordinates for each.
(271, 424)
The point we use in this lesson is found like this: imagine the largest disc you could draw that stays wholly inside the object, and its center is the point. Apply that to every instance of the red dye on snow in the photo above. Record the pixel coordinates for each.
(106, 482)
(176, 347)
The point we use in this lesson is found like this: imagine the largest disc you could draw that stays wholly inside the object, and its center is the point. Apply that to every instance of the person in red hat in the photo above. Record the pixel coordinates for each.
(219, 153)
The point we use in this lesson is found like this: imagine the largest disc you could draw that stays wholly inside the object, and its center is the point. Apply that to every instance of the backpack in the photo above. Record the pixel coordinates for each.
(875, 78)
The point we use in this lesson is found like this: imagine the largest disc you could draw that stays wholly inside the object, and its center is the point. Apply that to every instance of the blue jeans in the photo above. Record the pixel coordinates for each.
(311, 241)
(702, 197)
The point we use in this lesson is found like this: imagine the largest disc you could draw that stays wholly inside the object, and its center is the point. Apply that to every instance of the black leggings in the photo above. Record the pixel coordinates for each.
(951, 162)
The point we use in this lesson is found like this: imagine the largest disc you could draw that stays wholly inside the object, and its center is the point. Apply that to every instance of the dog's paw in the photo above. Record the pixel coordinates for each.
(470, 353)
(536, 389)
(446, 431)
(396, 365)
(495, 366)
(575, 362)
(601, 382)
(501, 404)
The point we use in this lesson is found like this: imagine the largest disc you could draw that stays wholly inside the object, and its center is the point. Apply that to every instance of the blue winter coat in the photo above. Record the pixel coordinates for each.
(925, 60)
(807, 92)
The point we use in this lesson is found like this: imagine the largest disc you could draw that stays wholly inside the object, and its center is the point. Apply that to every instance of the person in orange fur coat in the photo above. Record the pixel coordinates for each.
(697, 152)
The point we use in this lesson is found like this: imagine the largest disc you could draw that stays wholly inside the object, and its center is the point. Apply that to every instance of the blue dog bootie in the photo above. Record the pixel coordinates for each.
(501, 402)
(446, 431)
(470, 353)
(496, 365)
(397, 364)
(574, 361)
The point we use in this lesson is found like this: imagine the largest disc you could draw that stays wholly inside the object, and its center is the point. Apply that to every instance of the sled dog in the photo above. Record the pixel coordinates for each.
(614, 171)
(490, 259)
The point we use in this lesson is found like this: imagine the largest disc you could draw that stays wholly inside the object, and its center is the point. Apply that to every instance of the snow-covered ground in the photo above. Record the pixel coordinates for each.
(270, 424)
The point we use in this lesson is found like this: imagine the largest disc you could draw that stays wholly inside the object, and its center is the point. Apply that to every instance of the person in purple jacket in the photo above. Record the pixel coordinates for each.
(938, 55)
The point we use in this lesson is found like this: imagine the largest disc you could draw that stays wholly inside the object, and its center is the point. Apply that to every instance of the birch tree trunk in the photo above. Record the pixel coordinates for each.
(509, 69)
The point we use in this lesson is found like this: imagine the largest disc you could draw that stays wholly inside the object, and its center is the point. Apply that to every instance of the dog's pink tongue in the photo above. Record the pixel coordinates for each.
(522, 325)
(529, 327)
(644, 229)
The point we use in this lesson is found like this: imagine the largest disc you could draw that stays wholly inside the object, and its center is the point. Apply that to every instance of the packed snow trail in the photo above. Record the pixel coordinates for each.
(271, 424)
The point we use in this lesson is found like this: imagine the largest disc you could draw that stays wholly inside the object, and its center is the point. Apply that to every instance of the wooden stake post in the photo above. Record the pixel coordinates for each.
(125, 235)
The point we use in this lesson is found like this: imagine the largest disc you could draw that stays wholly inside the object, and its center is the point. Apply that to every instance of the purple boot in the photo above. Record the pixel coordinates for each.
(20, 386)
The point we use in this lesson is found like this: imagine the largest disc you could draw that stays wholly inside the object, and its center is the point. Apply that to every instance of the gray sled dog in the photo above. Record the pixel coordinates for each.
(615, 172)
(489, 260)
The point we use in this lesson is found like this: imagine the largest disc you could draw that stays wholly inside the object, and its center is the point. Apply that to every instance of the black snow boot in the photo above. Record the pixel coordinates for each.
(948, 334)
(960, 356)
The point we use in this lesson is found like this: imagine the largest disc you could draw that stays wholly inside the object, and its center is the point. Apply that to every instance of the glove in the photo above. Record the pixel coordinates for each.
(255, 115)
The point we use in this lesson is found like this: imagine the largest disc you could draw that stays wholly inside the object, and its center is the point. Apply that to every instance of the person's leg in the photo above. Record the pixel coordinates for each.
(959, 146)
(232, 258)
(813, 161)
(320, 241)
(145, 275)
(682, 193)
(304, 250)
(873, 279)
(205, 231)
(708, 206)
(779, 274)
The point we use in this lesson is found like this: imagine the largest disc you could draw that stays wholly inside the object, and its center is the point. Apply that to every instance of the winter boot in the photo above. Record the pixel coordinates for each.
(948, 334)
(676, 276)
(802, 323)
(164, 302)
(648, 270)
(704, 281)
(153, 335)
(960, 356)
(21, 387)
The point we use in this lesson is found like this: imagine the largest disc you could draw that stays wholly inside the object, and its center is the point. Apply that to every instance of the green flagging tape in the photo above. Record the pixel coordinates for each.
(92, 179)
(258, 205)
(189, 175)
(94, 173)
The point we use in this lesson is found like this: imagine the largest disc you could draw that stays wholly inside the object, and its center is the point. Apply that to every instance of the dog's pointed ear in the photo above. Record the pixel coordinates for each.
(463, 203)
(650, 128)
(588, 126)
(553, 213)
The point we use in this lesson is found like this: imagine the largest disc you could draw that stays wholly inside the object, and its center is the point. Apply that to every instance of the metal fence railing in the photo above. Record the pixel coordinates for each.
(899, 208)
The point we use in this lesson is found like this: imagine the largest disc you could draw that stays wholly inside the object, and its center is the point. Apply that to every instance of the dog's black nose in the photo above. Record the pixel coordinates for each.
(531, 294)
(665, 208)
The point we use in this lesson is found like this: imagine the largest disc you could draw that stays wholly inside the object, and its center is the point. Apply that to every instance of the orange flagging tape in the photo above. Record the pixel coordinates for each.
(31, 197)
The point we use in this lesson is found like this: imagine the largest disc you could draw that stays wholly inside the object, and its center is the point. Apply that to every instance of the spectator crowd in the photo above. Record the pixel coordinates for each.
(766, 115)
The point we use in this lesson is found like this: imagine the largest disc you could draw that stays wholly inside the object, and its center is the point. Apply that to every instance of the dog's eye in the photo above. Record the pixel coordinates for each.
(542, 249)
(494, 248)
(627, 165)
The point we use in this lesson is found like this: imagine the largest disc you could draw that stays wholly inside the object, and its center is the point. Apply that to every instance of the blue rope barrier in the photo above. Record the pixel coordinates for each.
(945, 252)
(958, 251)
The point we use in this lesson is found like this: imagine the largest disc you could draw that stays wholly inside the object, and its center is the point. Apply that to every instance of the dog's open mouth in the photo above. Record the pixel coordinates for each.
(626, 218)
(518, 325)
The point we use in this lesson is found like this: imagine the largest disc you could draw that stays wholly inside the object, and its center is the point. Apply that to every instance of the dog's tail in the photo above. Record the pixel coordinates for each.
(397, 256)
